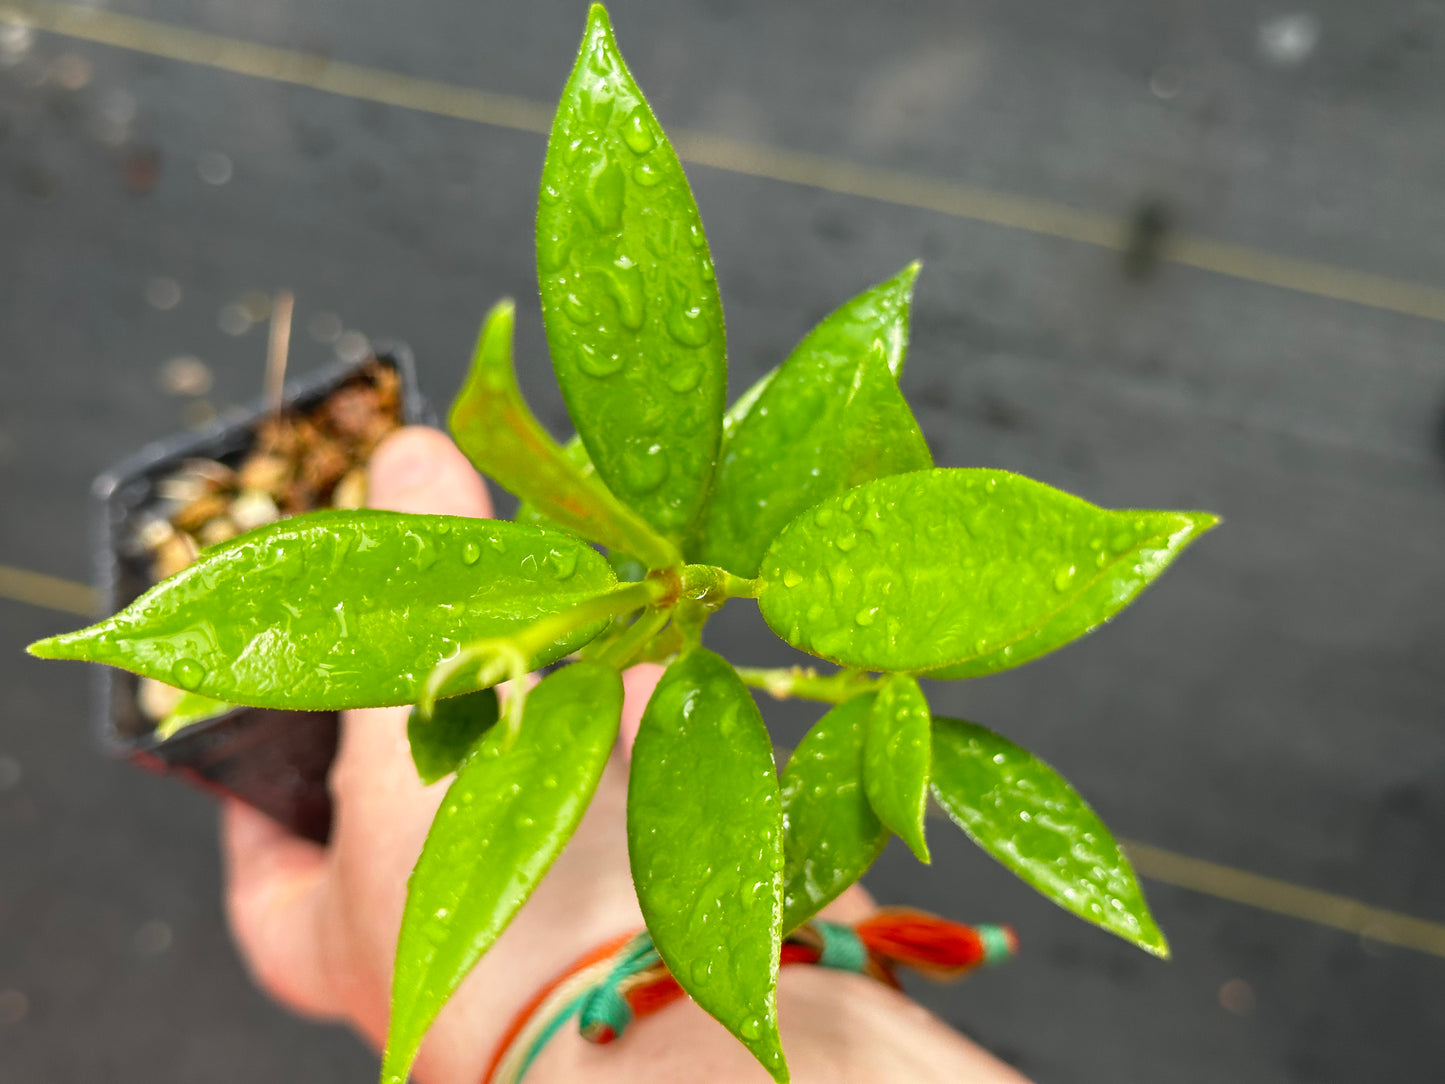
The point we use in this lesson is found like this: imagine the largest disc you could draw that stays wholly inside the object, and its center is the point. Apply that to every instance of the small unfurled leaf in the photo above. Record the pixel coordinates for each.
(333, 610)
(1022, 812)
(494, 427)
(441, 743)
(896, 760)
(505, 818)
(968, 570)
(628, 297)
(830, 833)
(704, 833)
(830, 419)
(190, 709)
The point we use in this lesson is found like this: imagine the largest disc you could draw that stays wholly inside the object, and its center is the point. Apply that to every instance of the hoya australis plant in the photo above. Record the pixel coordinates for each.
(813, 494)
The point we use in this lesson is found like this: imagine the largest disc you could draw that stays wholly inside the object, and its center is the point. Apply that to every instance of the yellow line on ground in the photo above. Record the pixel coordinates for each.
(49, 592)
(1283, 898)
(1036, 216)
(1155, 863)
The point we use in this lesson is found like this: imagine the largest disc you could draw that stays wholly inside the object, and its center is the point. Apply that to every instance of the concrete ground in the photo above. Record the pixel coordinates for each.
(1274, 704)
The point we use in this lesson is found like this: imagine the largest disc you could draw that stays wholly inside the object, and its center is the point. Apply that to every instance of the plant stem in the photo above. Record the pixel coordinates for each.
(621, 652)
(509, 656)
(807, 683)
(712, 586)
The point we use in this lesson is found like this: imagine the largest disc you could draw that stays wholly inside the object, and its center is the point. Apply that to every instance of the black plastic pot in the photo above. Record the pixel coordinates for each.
(274, 760)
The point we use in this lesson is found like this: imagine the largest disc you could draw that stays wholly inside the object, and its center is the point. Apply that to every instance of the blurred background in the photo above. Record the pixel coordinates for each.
(1175, 255)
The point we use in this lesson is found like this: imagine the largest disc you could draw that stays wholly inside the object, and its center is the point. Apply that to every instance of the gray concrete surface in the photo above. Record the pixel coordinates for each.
(1274, 704)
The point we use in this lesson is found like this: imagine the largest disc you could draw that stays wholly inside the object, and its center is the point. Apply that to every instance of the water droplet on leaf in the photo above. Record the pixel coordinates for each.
(562, 562)
(602, 197)
(624, 281)
(1064, 577)
(552, 251)
(688, 324)
(188, 673)
(791, 578)
(471, 553)
(637, 131)
(595, 362)
(643, 467)
(684, 377)
(577, 310)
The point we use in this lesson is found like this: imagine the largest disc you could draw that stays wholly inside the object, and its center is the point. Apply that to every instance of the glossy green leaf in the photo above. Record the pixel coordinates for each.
(704, 833)
(441, 743)
(896, 760)
(974, 570)
(743, 405)
(494, 427)
(628, 297)
(830, 833)
(334, 609)
(505, 818)
(190, 709)
(1022, 812)
(831, 419)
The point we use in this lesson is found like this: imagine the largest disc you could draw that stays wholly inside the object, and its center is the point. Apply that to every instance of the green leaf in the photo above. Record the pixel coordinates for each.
(896, 760)
(1022, 812)
(440, 744)
(494, 427)
(832, 418)
(190, 709)
(830, 833)
(704, 833)
(973, 570)
(629, 301)
(503, 821)
(336, 609)
(744, 403)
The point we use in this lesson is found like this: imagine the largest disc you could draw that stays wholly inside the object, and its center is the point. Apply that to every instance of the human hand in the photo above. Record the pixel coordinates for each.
(317, 926)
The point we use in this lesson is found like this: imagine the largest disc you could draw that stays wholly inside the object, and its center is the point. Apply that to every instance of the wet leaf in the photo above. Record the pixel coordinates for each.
(333, 610)
(505, 818)
(704, 832)
(628, 297)
(441, 743)
(1026, 815)
(494, 427)
(830, 833)
(830, 419)
(968, 570)
(896, 760)
(743, 405)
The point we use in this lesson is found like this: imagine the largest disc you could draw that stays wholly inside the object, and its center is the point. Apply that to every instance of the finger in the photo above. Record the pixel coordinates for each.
(637, 683)
(420, 470)
(273, 899)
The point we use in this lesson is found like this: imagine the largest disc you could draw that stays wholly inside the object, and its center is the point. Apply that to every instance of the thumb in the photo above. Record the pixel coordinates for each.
(420, 470)
(276, 883)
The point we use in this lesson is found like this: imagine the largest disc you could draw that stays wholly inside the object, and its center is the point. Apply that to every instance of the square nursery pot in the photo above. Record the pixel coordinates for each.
(277, 761)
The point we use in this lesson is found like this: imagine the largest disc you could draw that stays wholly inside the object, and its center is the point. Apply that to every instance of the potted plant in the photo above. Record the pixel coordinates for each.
(813, 494)
(305, 446)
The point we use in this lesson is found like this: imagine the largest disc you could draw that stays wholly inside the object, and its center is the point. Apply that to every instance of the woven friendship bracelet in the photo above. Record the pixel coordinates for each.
(625, 979)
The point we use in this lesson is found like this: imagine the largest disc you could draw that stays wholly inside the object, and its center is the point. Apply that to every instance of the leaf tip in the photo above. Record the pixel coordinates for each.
(598, 24)
(68, 645)
(1153, 941)
(919, 847)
